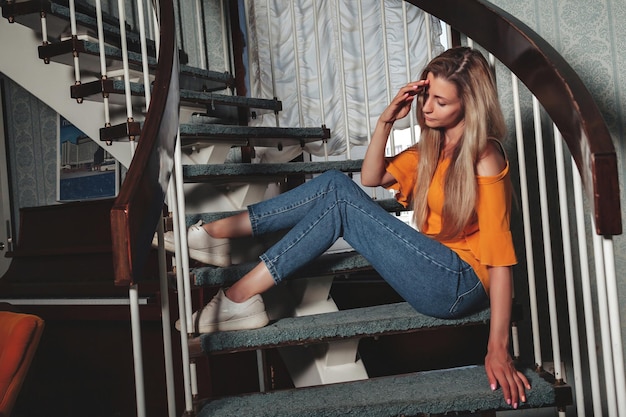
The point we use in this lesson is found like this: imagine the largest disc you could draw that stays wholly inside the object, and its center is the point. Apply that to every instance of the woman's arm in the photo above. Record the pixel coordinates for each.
(373, 171)
(498, 363)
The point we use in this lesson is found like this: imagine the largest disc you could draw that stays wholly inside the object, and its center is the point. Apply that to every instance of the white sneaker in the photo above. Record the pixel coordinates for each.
(222, 314)
(202, 246)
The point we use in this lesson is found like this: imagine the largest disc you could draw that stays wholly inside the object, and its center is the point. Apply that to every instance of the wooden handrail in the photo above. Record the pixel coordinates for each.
(557, 87)
(139, 205)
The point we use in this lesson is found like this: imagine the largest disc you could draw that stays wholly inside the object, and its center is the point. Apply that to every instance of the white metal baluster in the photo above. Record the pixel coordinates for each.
(103, 62)
(296, 61)
(407, 66)
(592, 356)
(605, 327)
(320, 84)
(135, 319)
(182, 274)
(144, 53)
(165, 309)
(569, 274)
(342, 74)
(270, 38)
(547, 243)
(614, 323)
(383, 23)
(364, 71)
(165, 320)
(133, 290)
(44, 29)
(449, 35)
(429, 43)
(126, 68)
(530, 262)
(202, 55)
(226, 36)
(74, 37)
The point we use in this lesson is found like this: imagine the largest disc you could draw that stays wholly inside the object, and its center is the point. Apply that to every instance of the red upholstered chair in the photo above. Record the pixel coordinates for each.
(19, 337)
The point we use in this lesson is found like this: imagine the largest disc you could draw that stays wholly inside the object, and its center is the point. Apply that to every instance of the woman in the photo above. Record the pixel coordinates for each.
(460, 260)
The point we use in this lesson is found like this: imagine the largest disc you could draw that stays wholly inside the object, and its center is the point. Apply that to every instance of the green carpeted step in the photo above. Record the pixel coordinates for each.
(325, 265)
(434, 392)
(226, 172)
(192, 133)
(389, 204)
(358, 322)
(115, 90)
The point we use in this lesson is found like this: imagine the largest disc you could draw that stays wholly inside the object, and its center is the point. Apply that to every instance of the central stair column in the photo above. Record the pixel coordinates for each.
(323, 363)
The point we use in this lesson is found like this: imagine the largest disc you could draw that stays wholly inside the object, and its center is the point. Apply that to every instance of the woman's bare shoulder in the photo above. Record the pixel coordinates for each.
(493, 159)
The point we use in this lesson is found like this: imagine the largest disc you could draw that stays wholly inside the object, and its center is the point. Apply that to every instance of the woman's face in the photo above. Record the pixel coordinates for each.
(442, 106)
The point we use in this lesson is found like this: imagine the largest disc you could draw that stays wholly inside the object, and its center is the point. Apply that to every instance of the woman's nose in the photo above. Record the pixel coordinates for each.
(427, 107)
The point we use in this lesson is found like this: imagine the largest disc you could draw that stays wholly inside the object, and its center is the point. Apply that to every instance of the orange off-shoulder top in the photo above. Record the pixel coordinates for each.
(486, 240)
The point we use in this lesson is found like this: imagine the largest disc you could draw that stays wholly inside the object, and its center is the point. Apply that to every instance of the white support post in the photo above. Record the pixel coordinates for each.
(605, 327)
(182, 300)
(126, 68)
(547, 243)
(614, 323)
(137, 350)
(569, 273)
(592, 357)
(532, 282)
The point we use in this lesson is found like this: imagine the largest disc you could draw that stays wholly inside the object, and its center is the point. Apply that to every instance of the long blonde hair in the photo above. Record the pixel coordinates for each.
(468, 70)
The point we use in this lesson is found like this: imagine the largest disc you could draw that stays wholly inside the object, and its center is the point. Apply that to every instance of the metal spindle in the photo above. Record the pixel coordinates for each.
(585, 280)
(407, 66)
(126, 69)
(569, 273)
(180, 253)
(528, 240)
(605, 327)
(202, 54)
(74, 38)
(614, 322)
(44, 28)
(296, 61)
(342, 74)
(364, 71)
(547, 243)
(144, 53)
(320, 84)
(383, 22)
(103, 61)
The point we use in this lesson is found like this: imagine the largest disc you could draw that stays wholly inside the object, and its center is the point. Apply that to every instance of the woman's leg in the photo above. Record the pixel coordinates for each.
(430, 276)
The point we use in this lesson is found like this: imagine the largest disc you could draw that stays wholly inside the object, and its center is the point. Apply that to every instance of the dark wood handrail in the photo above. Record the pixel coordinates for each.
(139, 205)
(557, 87)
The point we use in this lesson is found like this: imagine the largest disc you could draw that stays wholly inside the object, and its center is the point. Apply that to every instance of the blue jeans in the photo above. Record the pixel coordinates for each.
(428, 275)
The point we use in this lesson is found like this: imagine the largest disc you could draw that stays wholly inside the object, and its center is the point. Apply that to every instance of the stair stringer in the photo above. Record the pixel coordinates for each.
(50, 83)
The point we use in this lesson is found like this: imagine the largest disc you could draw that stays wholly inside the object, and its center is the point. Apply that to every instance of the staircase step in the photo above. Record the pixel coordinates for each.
(203, 133)
(389, 204)
(423, 393)
(191, 78)
(326, 265)
(58, 18)
(317, 328)
(115, 90)
(252, 172)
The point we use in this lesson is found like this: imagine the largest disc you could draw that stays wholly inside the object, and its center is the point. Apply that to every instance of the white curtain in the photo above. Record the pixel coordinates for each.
(277, 30)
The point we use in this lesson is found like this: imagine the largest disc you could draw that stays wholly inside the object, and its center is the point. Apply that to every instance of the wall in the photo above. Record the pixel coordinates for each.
(591, 36)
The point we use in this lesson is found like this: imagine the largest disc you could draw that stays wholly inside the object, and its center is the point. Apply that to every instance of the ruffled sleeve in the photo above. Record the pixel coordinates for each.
(403, 167)
(494, 219)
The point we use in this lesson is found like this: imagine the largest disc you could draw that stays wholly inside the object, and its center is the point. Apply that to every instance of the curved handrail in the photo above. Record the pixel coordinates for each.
(139, 205)
(557, 87)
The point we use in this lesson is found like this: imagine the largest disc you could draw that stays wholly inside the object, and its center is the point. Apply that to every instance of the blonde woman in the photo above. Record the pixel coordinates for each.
(456, 179)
